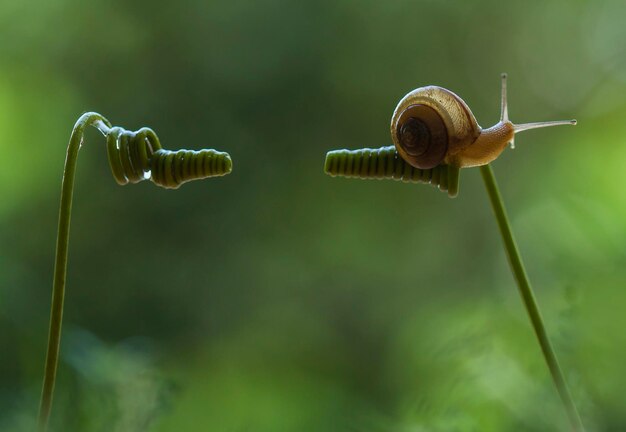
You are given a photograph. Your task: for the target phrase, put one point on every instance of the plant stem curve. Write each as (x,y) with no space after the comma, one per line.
(60,265)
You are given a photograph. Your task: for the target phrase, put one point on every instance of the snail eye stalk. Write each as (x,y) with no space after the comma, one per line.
(133,157)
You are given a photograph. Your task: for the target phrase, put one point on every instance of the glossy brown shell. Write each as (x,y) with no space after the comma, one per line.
(460,123)
(422,136)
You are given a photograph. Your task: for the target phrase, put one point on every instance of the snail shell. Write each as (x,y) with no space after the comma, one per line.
(432,124)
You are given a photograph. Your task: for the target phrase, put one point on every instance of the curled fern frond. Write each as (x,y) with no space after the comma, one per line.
(386,163)
(137,156)
(133,156)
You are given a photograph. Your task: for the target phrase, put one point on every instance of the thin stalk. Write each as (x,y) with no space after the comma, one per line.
(515,260)
(60,266)
(133,156)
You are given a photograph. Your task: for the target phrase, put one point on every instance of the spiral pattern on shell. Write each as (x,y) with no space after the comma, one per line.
(136,156)
(422,138)
(386,163)
(449,121)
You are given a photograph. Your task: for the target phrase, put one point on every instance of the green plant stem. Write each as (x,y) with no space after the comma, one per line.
(60,267)
(515,260)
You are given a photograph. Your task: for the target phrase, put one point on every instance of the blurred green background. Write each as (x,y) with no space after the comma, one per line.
(280,299)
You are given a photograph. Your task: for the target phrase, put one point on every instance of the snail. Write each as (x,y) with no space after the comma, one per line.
(434,134)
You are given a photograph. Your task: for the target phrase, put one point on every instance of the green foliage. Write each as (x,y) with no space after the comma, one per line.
(267,299)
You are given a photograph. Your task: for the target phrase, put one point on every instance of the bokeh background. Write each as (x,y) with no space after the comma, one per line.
(278,298)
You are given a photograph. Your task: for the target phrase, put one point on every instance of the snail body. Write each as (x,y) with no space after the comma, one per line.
(433,127)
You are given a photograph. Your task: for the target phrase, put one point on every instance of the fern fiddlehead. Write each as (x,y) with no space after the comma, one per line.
(386,163)
(137,156)
(435,134)
(133,157)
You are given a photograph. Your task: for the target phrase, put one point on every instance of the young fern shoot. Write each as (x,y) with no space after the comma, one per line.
(133,157)
(435,134)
